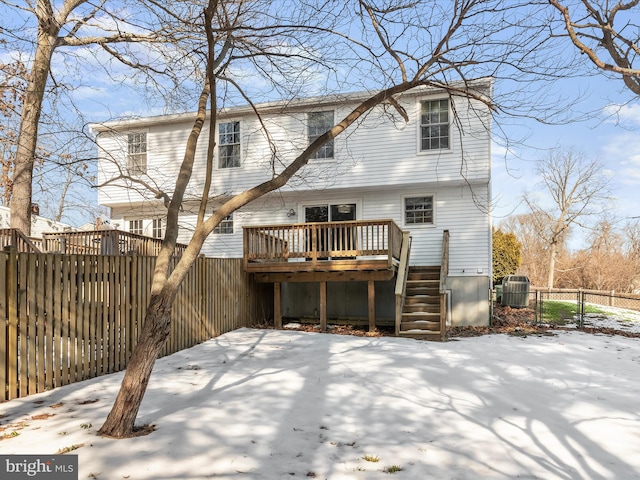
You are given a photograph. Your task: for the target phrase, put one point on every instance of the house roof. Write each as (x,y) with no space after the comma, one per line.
(264,108)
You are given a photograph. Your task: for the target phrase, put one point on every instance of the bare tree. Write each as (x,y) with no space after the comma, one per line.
(577,188)
(608,33)
(401,45)
(605,265)
(40,29)
(527,228)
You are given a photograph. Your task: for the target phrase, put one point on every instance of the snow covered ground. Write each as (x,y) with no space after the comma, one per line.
(267,404)
(614,318)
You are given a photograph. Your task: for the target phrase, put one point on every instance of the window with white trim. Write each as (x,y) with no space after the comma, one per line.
(137,153)
(418,210)
(319,123)
(156,228)
(135,226)
(225,226)
(229,145)
(434,125)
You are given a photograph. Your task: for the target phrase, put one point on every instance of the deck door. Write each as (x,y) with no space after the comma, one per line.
(337,238)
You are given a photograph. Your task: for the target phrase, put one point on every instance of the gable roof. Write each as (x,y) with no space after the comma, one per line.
(280,106)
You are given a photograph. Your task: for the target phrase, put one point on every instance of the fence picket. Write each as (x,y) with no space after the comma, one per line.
(4,324)
(72,317)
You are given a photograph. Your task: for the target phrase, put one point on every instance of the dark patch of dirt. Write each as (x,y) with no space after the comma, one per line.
(142,430)
(512,321)
(335,329)
(42,416)
(507,320)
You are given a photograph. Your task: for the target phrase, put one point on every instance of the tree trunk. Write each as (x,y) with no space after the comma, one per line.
(28,136)
(552,265)
(120,422)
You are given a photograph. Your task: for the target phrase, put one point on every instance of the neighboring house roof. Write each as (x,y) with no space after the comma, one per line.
(39,225)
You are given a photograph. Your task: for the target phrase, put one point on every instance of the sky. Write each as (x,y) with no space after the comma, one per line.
(271,404)
(612,139)
(610,135)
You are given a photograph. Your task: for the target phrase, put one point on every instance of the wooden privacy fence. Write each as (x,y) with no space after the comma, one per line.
(67,318)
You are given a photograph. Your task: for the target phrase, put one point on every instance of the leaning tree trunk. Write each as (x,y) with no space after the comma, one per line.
(120,422)
(28,135)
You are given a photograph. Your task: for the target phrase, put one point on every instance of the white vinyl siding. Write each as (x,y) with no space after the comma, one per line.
(456,210)
(378,153)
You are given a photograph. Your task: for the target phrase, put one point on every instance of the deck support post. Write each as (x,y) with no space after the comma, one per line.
(323,306)
(372,306)
(277,308)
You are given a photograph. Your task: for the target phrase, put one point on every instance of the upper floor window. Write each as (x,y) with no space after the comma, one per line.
(418,210)
(137,153)
(229,145)
(156,228)
(135,226)
(225,226)
(434,125)
(319,123)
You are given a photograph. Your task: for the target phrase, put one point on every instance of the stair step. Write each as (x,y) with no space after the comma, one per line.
(421,313)
(423,335)
(418,328)
(413,316)
(413,291)
(430,268)
(426,276)
(421,307)
(429,300)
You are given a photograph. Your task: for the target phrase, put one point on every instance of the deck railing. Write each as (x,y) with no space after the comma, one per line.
(10,237)
(363,239)
(103,242)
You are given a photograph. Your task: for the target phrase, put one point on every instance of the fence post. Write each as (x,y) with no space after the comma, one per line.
(612,298)
(4,359)
(581,300)
(11,364)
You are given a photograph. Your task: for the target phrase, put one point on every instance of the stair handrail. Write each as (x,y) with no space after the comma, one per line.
(14,237)
(444,273)
(444,263)
(401,281)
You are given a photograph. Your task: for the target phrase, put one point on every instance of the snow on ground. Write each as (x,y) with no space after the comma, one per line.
(267,404)
(614,318)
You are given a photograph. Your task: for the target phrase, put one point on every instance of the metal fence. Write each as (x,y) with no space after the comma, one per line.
(587,308)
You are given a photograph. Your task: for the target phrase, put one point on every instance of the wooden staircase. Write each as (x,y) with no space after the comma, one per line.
(422,315)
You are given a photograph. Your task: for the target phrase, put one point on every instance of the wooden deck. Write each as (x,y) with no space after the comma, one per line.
(365,250)
(95,242)
(368,251)
(322,250)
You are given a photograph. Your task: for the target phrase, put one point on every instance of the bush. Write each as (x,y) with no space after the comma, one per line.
(507,255)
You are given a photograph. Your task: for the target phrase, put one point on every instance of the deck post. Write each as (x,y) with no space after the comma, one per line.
(372,306)
(277,309)
(323,306)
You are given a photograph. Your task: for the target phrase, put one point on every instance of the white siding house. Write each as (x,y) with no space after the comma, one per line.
(39,225)
(428,175)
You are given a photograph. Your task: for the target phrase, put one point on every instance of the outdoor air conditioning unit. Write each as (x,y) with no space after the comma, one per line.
(515,291)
